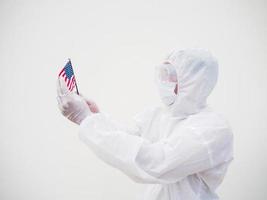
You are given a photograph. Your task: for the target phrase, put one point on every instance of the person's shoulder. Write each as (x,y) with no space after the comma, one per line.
(208,119)
(211,128)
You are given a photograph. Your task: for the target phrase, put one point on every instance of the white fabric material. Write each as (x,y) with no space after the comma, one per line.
(166,92)
(182,151)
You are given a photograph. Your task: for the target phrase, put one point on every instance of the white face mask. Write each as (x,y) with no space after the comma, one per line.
(166,92)
(166,80)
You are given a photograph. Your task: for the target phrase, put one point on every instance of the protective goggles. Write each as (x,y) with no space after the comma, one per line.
(166,73)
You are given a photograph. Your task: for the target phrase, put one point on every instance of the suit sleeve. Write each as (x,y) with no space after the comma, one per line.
(166,161)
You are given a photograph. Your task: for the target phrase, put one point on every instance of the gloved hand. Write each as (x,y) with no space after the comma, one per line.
(71,105)
(92,105)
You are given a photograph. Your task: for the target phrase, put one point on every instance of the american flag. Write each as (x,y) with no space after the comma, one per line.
(68,75)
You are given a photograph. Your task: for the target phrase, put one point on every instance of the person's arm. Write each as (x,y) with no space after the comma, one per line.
(166,161)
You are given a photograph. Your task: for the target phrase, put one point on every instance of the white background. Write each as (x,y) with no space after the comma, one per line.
(114,46)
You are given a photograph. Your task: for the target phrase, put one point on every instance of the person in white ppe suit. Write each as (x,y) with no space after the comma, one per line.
(181,149)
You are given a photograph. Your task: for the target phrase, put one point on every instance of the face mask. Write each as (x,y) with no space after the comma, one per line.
(166,80)
(166,92)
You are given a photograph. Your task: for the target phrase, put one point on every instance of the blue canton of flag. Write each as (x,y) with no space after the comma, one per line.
(67,74)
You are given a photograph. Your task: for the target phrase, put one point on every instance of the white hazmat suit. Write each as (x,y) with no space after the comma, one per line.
(181,150)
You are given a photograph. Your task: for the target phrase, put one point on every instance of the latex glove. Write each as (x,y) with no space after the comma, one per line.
(92,105)
(71,105)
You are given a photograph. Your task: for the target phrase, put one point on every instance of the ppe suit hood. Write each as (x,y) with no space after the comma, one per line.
(197,72)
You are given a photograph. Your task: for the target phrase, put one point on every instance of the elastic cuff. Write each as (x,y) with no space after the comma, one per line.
(89,118)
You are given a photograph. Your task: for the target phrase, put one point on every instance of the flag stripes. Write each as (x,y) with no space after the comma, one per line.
(67,74)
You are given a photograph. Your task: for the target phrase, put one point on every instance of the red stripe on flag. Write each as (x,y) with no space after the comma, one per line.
(63,75)
(71,88)
(73,83)
(70,82)
(61,71)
